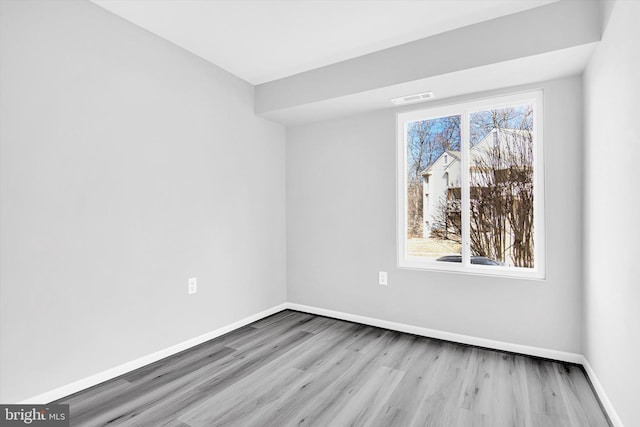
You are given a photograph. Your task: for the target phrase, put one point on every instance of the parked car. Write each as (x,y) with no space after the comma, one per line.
(480,260)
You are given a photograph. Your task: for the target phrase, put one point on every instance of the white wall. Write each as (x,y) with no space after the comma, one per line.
(128,165)
(341,215)
(612,204)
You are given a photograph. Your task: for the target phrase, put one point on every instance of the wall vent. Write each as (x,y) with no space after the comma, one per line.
(411,99)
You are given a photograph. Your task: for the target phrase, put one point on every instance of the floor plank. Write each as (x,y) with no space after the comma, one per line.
(294,368)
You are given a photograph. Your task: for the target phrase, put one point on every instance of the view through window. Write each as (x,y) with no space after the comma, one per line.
(470,178)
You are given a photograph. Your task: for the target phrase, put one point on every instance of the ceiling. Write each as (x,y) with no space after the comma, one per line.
(265,40)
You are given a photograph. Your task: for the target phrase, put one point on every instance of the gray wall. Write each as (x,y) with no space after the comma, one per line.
(341,216)
(612,203)
(128,165)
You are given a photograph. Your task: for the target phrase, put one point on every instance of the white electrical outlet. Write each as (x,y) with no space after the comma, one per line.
(382,278)
(193,285)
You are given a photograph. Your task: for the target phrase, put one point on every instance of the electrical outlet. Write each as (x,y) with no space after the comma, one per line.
(382,278)
(193,285)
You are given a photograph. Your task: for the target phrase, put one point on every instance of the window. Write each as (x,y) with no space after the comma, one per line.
(471,188)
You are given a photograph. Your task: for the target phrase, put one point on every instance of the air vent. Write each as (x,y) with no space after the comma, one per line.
(411,99)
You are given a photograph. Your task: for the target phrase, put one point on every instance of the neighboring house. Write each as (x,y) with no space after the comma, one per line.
(496,155)
(443,174)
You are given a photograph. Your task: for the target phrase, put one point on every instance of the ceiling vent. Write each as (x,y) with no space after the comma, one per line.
(412,99)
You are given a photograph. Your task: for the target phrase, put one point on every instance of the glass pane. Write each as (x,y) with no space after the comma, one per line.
(501,187)
(433,189)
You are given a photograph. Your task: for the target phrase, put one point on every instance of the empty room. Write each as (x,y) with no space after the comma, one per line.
(319,212)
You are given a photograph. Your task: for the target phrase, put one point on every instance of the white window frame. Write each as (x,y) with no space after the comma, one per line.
(535,98)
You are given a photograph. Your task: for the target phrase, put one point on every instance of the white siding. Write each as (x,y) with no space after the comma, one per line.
(437,187)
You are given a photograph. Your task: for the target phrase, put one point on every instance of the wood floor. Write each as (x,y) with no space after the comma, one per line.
(299,369)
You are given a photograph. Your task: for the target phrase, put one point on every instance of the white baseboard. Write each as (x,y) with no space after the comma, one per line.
(613,415)
(109,374)
(449,336)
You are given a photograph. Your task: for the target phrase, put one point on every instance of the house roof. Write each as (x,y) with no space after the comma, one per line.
(501,132)
(486,145)
(482,143)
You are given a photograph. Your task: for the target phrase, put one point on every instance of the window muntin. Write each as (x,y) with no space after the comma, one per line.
(487,217)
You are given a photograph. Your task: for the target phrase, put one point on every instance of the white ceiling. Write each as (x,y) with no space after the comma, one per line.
(265,40)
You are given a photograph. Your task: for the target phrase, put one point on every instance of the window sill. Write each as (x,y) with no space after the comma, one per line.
(474,270)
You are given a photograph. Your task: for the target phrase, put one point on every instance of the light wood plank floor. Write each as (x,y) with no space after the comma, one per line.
(298,369)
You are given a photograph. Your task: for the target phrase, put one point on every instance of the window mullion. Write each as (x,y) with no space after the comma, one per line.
(465,192)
